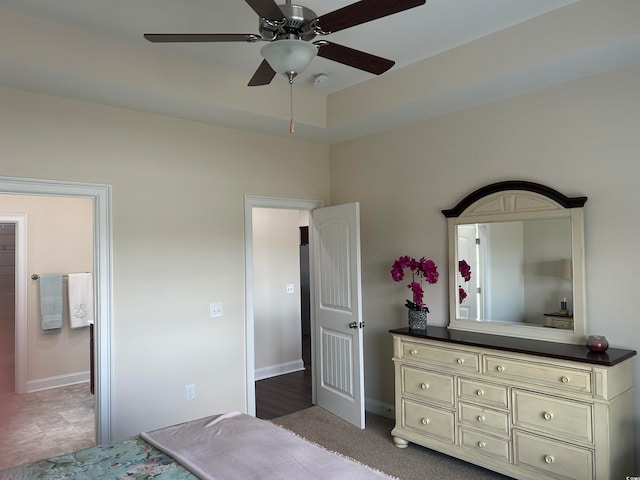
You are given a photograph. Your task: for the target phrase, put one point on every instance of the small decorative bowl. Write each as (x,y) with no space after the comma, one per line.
(597,343)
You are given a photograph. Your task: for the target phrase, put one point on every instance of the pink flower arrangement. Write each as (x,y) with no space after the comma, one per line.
(422,269)
(465,270)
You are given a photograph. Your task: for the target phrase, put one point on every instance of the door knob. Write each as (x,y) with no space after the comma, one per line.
(353,325)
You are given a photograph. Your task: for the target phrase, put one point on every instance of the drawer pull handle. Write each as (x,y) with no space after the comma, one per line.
(564,379)
(482,444)
(426,421)
(425,386)
(481,418)
(500,368)
(460,361)
(547,415)
(549,459)
(413,351)
(480,392)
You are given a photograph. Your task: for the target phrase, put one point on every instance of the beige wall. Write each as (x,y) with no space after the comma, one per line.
(276,262)
(178,235)
(580,138)
(178,238)
(59,240)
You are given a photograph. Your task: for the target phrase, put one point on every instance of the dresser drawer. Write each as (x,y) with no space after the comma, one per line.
(428,386)
(431,421)
(483,393)
(555,416)
(551,458)
(561,378)
(451,358)
(484,419)
(485,444)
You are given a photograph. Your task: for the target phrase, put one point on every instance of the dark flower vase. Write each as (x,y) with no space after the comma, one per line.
(417,320)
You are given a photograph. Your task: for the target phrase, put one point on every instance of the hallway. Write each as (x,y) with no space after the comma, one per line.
(284,394)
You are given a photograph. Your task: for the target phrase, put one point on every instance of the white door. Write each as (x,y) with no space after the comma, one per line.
(337,310)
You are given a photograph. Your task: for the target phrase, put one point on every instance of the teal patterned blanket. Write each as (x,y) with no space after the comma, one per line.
(131,459)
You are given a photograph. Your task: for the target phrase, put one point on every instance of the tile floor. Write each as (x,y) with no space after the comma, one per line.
(43,424)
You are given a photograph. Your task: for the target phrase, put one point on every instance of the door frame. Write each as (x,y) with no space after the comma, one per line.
(251,202)
(102,265)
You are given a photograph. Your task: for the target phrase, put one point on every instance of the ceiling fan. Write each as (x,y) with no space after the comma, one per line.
(290,29)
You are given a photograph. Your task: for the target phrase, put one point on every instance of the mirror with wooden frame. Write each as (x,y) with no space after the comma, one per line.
(516,263)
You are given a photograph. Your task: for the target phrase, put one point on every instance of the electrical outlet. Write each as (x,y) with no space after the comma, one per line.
(190,392)
(215,310)
(290,287)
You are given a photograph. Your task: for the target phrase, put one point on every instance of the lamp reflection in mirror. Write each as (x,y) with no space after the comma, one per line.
(565,274)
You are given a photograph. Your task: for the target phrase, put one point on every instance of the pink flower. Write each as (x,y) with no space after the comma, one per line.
(465,270)
(418,292)
(429,270)
(461,293)
(397,270)
(422,268)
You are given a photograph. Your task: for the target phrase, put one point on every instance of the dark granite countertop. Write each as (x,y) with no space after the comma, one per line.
(563,351)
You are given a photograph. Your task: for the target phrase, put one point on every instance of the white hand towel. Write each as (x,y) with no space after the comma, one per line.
(51,301)
(80,299)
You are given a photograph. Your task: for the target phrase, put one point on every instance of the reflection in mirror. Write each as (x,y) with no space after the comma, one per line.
(524,246)
(520,271)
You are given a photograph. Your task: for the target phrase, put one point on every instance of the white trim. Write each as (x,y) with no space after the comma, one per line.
(280,369)
(251,202)
(57,381)
(103,289)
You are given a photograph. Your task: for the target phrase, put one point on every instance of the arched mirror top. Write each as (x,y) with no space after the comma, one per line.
(513,196)
(516,262)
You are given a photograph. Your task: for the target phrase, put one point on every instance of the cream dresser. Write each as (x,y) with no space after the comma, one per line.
(528,409)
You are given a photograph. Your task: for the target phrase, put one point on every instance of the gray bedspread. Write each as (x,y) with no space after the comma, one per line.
(238,446)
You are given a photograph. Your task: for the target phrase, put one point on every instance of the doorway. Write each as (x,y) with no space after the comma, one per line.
(251,203)
(101,206)
(282,312)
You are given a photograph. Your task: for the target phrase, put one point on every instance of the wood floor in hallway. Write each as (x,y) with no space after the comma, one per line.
(285,394)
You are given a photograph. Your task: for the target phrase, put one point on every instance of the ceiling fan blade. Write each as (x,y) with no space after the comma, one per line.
(266,9)
(263,76)
(362,12)
(354,58)
(202,37)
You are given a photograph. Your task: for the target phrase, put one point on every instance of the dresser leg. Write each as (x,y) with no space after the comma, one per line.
(400,442)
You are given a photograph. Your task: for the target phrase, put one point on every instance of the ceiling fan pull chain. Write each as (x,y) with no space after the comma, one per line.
(292,124)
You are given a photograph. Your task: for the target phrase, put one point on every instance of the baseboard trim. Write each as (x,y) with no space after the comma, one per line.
(57,381)
(281,369)
(379,408)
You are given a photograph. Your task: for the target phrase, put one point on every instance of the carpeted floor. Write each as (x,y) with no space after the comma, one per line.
(374,446)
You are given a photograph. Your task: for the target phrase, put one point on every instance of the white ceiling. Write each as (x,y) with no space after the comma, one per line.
(406,37)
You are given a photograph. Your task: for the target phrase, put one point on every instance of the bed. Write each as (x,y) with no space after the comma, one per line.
(228,446)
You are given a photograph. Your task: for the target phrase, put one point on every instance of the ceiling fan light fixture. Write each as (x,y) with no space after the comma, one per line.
(289,57)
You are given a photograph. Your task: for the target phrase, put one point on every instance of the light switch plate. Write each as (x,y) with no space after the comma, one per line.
(190,392)
(215,310)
